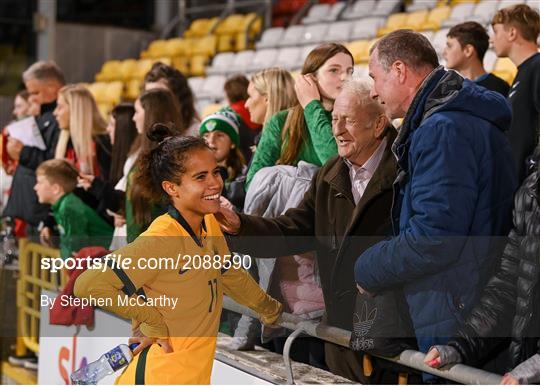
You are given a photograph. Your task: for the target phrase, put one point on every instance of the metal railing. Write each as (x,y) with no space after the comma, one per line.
(410,358)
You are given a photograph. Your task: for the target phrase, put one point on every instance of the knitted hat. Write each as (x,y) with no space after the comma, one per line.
(224,120)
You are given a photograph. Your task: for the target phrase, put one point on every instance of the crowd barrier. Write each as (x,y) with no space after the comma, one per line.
(33,280)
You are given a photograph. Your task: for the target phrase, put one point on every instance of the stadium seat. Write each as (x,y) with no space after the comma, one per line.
(335,12)
(212,88)
(201,27)
(105,109)
(195,83)
(242,61)
(197,65)
(109,71)
(534,4)
(428,34)
(221,63)
(292,36)
(361,71)
(367,28)
(263,58)
(288,57)
(418,5)
(127,69)
(505,69)
(439,40)
(339,31)
(316,14)
(415,20)
(435,18)
(394,22)
(459,14)
(507,3)
(156,49)
(181,63)
(176,47)
(133,89)
(304,53)
(210,109)
(484,11)
(270,38)
(489,60)
(360,9)
(314,33)
(204,46)
(386,7)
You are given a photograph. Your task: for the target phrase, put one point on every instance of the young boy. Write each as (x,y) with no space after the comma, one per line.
(79,225)
(515,34)
(466,45)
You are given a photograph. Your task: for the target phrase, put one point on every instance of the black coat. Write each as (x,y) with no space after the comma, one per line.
(23,201)
(509,306)
(328,221)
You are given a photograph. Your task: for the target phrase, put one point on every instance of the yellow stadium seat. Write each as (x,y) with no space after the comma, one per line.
(109,71)
(505,69)
(364,55)
(143,66)
(204,46)
(201,27)
(394,22)
(114,91)
(416,19)
(127,68)
(175,47)
(105,109)
(133,89)
(156,49)
(357,48)
(230,25)
(181,63)
(98,90)
(435,18)
(226,43)
(198,65)
(454,2)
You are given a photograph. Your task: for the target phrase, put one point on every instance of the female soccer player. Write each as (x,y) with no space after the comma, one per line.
(177,340)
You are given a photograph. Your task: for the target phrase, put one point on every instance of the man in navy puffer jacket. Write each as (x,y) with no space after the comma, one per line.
(454,190)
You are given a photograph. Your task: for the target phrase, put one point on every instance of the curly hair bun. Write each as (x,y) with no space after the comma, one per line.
(160,131)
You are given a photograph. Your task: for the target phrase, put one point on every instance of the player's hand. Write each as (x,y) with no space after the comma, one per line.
(14,148)
(85,180)
(433,358)
(45,236)
(306,89)
(227,217)
(145,341)
(508,379)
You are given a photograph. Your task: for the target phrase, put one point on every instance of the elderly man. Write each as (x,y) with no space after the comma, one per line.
(350,196)
(454,190)
(43,80)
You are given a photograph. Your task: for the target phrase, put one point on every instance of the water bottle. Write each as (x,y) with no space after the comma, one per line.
(107,364)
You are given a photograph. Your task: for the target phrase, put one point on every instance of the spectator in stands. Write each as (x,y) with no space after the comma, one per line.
(304,133)
(83,138)
(81,225)
(269,91)
(153,106)
(346,208)
(514,290)
(454,168)
(43,80)
(221,132)
(236,93)
(111,193)
(516,30)
(167,77)
(466,45)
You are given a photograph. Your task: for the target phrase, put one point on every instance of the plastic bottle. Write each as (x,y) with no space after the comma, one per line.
(107,364)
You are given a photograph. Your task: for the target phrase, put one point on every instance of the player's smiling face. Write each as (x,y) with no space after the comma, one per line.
(200,185)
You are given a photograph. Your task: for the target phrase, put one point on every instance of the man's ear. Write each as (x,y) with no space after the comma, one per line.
(401,70)
(170,188)
(512,33)
(380,126)
(469,50)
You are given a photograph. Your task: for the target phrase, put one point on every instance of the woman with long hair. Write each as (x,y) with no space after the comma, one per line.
(177,325)
(153,106)
(83,138)
(304,132)
(162,76)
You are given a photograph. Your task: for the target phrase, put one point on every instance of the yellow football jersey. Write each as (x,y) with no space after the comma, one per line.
(192,323)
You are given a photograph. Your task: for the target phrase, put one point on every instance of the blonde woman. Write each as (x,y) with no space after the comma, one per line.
(83,138)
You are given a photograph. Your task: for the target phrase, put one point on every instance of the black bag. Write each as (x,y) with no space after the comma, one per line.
(382,325)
